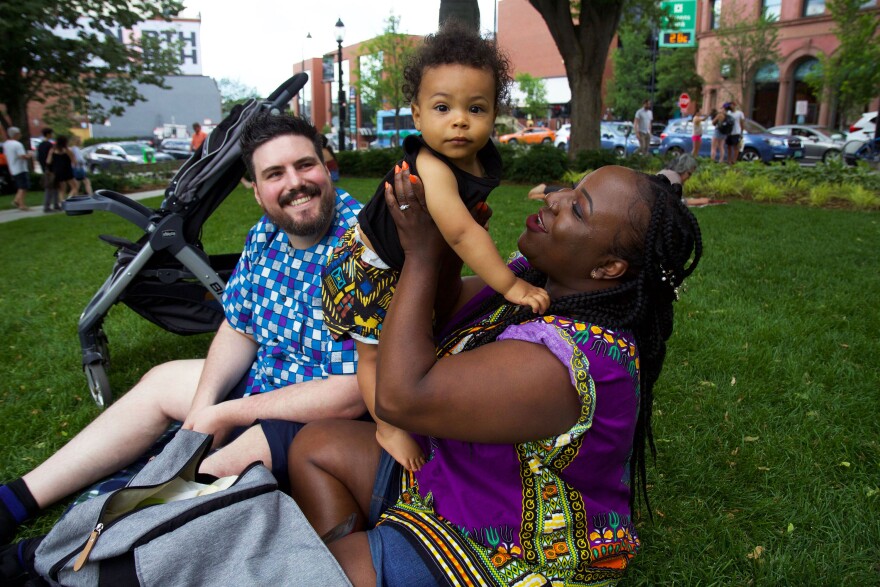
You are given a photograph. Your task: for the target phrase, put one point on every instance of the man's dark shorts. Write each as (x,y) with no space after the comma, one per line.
(732,140)
(22,180)
(279,434)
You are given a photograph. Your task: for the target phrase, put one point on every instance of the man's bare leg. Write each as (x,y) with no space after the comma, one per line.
(249,447)
(120,434)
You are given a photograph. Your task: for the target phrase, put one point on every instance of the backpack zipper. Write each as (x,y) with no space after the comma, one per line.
(90,544)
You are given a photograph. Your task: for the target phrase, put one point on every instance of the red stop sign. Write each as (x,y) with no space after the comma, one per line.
(683,101)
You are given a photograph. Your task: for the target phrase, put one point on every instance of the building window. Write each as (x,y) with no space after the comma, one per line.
(772,9)
(814,7)
(714,14)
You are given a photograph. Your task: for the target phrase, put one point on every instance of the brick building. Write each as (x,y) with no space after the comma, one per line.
(776,88)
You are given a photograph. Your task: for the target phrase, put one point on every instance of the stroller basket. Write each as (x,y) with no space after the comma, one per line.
(166,277)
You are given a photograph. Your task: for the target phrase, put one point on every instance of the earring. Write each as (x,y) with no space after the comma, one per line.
(594,274)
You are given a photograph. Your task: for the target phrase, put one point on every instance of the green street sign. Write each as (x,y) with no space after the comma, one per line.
(680,30)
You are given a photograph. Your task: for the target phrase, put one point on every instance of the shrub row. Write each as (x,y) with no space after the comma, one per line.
(832,183)
(826,184)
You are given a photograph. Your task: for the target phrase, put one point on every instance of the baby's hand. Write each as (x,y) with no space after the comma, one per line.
(525,294)
(537,192)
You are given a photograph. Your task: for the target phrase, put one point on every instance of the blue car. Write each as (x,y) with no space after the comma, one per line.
(758,143)
(618,137)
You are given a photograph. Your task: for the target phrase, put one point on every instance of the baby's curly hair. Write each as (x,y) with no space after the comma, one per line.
(456,44)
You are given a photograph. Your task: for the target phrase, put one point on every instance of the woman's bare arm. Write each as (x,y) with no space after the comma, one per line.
(507,391)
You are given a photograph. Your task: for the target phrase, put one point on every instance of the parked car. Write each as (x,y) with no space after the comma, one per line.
(757,143)
(115,156)
(613,137)
(863,129)
(820,143)
(618,137)
(177,148)
(531,135)
(563,137)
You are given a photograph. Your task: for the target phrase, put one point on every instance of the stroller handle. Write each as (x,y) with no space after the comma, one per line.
(287,90)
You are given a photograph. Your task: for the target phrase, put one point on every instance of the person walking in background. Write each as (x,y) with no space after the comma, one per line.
(642,126)
(50,194)
(60,162)
(330,159)
(697,136)
(198,137)
(80,176)
(735,135)
(17,161)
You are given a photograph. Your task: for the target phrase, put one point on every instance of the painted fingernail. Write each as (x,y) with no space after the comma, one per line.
(387,186)
(397,169)
(413,179)
(404,165)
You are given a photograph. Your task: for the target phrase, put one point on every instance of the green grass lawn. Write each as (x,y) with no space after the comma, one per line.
(767,415)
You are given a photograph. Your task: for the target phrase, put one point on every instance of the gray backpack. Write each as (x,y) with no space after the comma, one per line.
(246,534)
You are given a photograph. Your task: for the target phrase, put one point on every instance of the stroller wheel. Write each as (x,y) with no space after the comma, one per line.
(99,385)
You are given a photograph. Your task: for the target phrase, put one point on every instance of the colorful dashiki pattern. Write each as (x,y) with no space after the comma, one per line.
(551,512)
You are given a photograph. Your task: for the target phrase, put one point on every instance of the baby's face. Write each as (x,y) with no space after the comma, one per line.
(455,110)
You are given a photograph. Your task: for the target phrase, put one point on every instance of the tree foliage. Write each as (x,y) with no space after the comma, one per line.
(535,95)
(632,70)
(743,46)
(379,79)
(850,75)
(583,31)
(234,92)
(70,49)
(676,73)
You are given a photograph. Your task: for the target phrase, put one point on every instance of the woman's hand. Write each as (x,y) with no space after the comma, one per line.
(419,236)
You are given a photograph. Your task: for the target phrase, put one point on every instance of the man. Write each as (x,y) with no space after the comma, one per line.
(198,137)
(733,139)
(642,127)
(50,190)
(273,339)
(680,169)
(17,161)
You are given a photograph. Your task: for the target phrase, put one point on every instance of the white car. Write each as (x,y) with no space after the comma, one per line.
(863,129)
(562,137)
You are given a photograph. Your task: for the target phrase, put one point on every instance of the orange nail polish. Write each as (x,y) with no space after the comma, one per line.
(404,165)
(413,179)
(397,169)
(387,186)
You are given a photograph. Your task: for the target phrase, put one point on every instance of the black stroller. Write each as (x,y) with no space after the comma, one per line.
(166,276)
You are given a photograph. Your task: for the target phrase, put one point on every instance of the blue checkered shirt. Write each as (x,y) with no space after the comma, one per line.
(274,296)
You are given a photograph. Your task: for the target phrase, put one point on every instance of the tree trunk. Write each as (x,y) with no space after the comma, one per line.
(16,110)
(466,11)
(584,49)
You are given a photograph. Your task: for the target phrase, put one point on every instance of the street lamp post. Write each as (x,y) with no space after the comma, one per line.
(340,35)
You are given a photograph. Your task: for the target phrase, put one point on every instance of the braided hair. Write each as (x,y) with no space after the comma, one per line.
(661,254)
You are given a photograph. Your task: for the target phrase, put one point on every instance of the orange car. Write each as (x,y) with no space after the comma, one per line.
(532,135)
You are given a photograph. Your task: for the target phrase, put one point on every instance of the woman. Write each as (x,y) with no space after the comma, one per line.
(532,433)
(60,161)
(718,137)
(330,159)
(80,175)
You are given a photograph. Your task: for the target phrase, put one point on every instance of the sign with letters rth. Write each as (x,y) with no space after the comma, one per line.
(679,28)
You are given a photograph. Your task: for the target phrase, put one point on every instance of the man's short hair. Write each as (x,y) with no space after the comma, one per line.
(47,131)
(684,163)
(12,131)
(265,126)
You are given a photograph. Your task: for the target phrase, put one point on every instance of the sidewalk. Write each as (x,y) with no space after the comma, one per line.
(11,214)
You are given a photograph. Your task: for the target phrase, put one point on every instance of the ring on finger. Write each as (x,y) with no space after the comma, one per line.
(404,206)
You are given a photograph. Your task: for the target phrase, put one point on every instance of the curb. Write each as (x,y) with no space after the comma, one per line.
(37,211)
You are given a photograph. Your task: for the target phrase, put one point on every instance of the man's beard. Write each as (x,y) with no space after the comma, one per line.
(316,226)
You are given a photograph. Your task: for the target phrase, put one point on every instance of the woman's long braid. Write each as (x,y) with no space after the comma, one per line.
(660,256)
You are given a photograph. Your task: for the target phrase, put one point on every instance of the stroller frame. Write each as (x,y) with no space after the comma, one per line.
(169,251)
